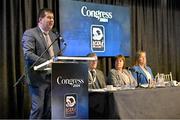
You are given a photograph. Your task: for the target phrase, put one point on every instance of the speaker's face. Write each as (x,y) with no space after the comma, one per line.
(47,22)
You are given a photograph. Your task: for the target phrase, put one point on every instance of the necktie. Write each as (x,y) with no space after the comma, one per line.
(48,42)
(96,83)
(93,74)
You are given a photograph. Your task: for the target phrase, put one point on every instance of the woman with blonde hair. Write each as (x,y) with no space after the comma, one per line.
(141,72)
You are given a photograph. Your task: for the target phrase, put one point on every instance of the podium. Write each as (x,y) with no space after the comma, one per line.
(69,87)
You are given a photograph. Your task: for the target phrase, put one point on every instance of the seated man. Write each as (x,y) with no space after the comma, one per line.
(96,77)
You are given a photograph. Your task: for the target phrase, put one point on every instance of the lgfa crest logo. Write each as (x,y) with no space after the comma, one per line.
(97,38)
(70,105)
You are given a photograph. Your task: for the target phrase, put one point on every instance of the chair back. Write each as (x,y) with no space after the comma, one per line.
(162,78)
(168,77)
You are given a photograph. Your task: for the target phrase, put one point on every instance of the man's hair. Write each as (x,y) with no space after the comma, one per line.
(42,12)
(91,55)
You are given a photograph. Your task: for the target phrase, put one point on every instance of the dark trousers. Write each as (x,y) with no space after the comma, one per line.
(41,101)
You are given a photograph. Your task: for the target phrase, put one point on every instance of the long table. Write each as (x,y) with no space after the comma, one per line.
(156,103)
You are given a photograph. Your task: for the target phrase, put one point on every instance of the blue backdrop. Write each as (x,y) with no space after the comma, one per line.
(89,27)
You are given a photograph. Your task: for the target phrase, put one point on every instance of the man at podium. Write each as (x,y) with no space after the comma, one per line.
(39,45)
(96,79)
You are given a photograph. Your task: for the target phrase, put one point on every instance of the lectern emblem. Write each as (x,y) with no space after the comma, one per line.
(70,105)
(70,101)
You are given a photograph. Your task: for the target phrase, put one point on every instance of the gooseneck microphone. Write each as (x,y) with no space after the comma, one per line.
(61,42)
(131,69)
(60,37)
(37,60)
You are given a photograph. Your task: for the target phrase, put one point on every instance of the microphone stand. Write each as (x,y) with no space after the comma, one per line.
(23,75)
(137,74)
(61,51)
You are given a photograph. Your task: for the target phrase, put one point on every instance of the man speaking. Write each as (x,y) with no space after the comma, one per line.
(39,45)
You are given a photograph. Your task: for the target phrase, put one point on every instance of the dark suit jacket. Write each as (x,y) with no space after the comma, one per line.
(34,45)
(100,78)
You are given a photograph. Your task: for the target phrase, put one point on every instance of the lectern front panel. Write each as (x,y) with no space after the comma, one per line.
(69,91)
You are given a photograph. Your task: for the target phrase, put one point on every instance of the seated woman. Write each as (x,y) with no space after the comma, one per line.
(120,76)
(141,72)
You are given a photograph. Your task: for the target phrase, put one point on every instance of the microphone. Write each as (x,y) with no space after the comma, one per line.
(61,41)
(133,70)
(59,36)
(136,73)
(37,60)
